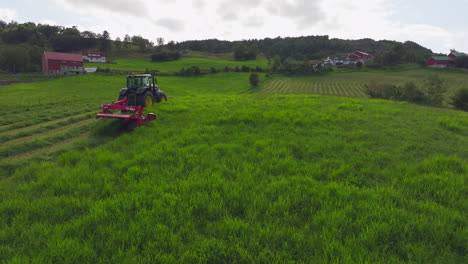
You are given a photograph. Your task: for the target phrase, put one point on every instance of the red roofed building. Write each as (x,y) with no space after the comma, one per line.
(62,63)
(94,56)
(440,62)
(454,54)
(360,56)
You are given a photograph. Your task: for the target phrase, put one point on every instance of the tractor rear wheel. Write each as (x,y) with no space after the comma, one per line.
(161,97)
(145,99)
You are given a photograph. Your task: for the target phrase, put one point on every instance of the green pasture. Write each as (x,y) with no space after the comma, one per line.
(173,66)
(351,84)
(26,77)
(28,129)
(229,173)
(252,179)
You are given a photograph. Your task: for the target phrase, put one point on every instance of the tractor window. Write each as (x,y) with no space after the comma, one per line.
(136,82)
(146,81)
(133,82)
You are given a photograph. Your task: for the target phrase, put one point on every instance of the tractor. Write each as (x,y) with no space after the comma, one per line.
(141,91)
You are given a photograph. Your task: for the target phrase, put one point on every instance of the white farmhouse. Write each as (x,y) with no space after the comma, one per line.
(336,61)
(94,56)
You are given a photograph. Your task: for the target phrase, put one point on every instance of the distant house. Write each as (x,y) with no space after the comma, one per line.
(61,63)
(336,61)
(94,56)
(454,54)
(440,62)
(360,56)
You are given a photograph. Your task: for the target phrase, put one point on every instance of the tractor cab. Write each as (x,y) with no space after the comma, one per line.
(141,90)
(140,81)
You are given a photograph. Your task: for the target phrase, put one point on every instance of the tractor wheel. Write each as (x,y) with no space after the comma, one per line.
(145,100)
(162,97)
(121,97)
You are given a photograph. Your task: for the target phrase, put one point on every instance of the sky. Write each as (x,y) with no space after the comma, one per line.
(435,24)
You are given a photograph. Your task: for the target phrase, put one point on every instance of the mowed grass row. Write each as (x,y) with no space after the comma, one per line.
(15,150)
(13,134)
(351,84)
(174,66)
(288,85)
(252,179)
(44,117)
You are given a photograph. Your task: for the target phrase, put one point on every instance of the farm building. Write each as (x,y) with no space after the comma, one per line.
(61,63)
(454,54)
(336,61)
(440,62)
(360,56)
(94,56)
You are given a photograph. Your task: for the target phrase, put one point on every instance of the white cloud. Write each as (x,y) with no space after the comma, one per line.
(134,7)
(199,4)
(7,14)
(305,12)
(244,19)
(48,22)
(253,21)
(171,24)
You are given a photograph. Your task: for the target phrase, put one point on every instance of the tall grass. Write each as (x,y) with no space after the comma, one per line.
(38,112)
(251,179)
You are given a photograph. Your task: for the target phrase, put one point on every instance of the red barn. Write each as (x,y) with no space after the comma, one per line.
(454,54)
(440,62)
(360,56)
(62,63)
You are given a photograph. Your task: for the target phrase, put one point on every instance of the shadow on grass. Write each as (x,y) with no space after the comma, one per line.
(106,130)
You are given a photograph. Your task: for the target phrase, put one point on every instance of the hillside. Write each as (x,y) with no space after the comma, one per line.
(22,46)
(229,175)
(310,47)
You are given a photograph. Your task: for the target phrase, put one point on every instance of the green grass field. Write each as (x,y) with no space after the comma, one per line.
(351,84)
(27,129)
(173,66)
(230,173)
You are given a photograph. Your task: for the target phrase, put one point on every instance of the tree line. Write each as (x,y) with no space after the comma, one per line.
(22,44)
(313,47)
(32,39)
(431,92)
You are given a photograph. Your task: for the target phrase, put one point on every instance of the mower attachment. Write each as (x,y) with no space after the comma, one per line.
(135,113)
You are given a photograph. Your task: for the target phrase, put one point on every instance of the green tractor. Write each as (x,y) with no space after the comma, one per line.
(142,90)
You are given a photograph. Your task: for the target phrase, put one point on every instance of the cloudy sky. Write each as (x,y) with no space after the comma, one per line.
(435,24)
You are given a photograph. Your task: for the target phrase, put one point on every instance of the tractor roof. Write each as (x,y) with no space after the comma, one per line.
(140,75)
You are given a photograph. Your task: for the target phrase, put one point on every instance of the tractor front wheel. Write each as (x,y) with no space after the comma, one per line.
(145,100)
